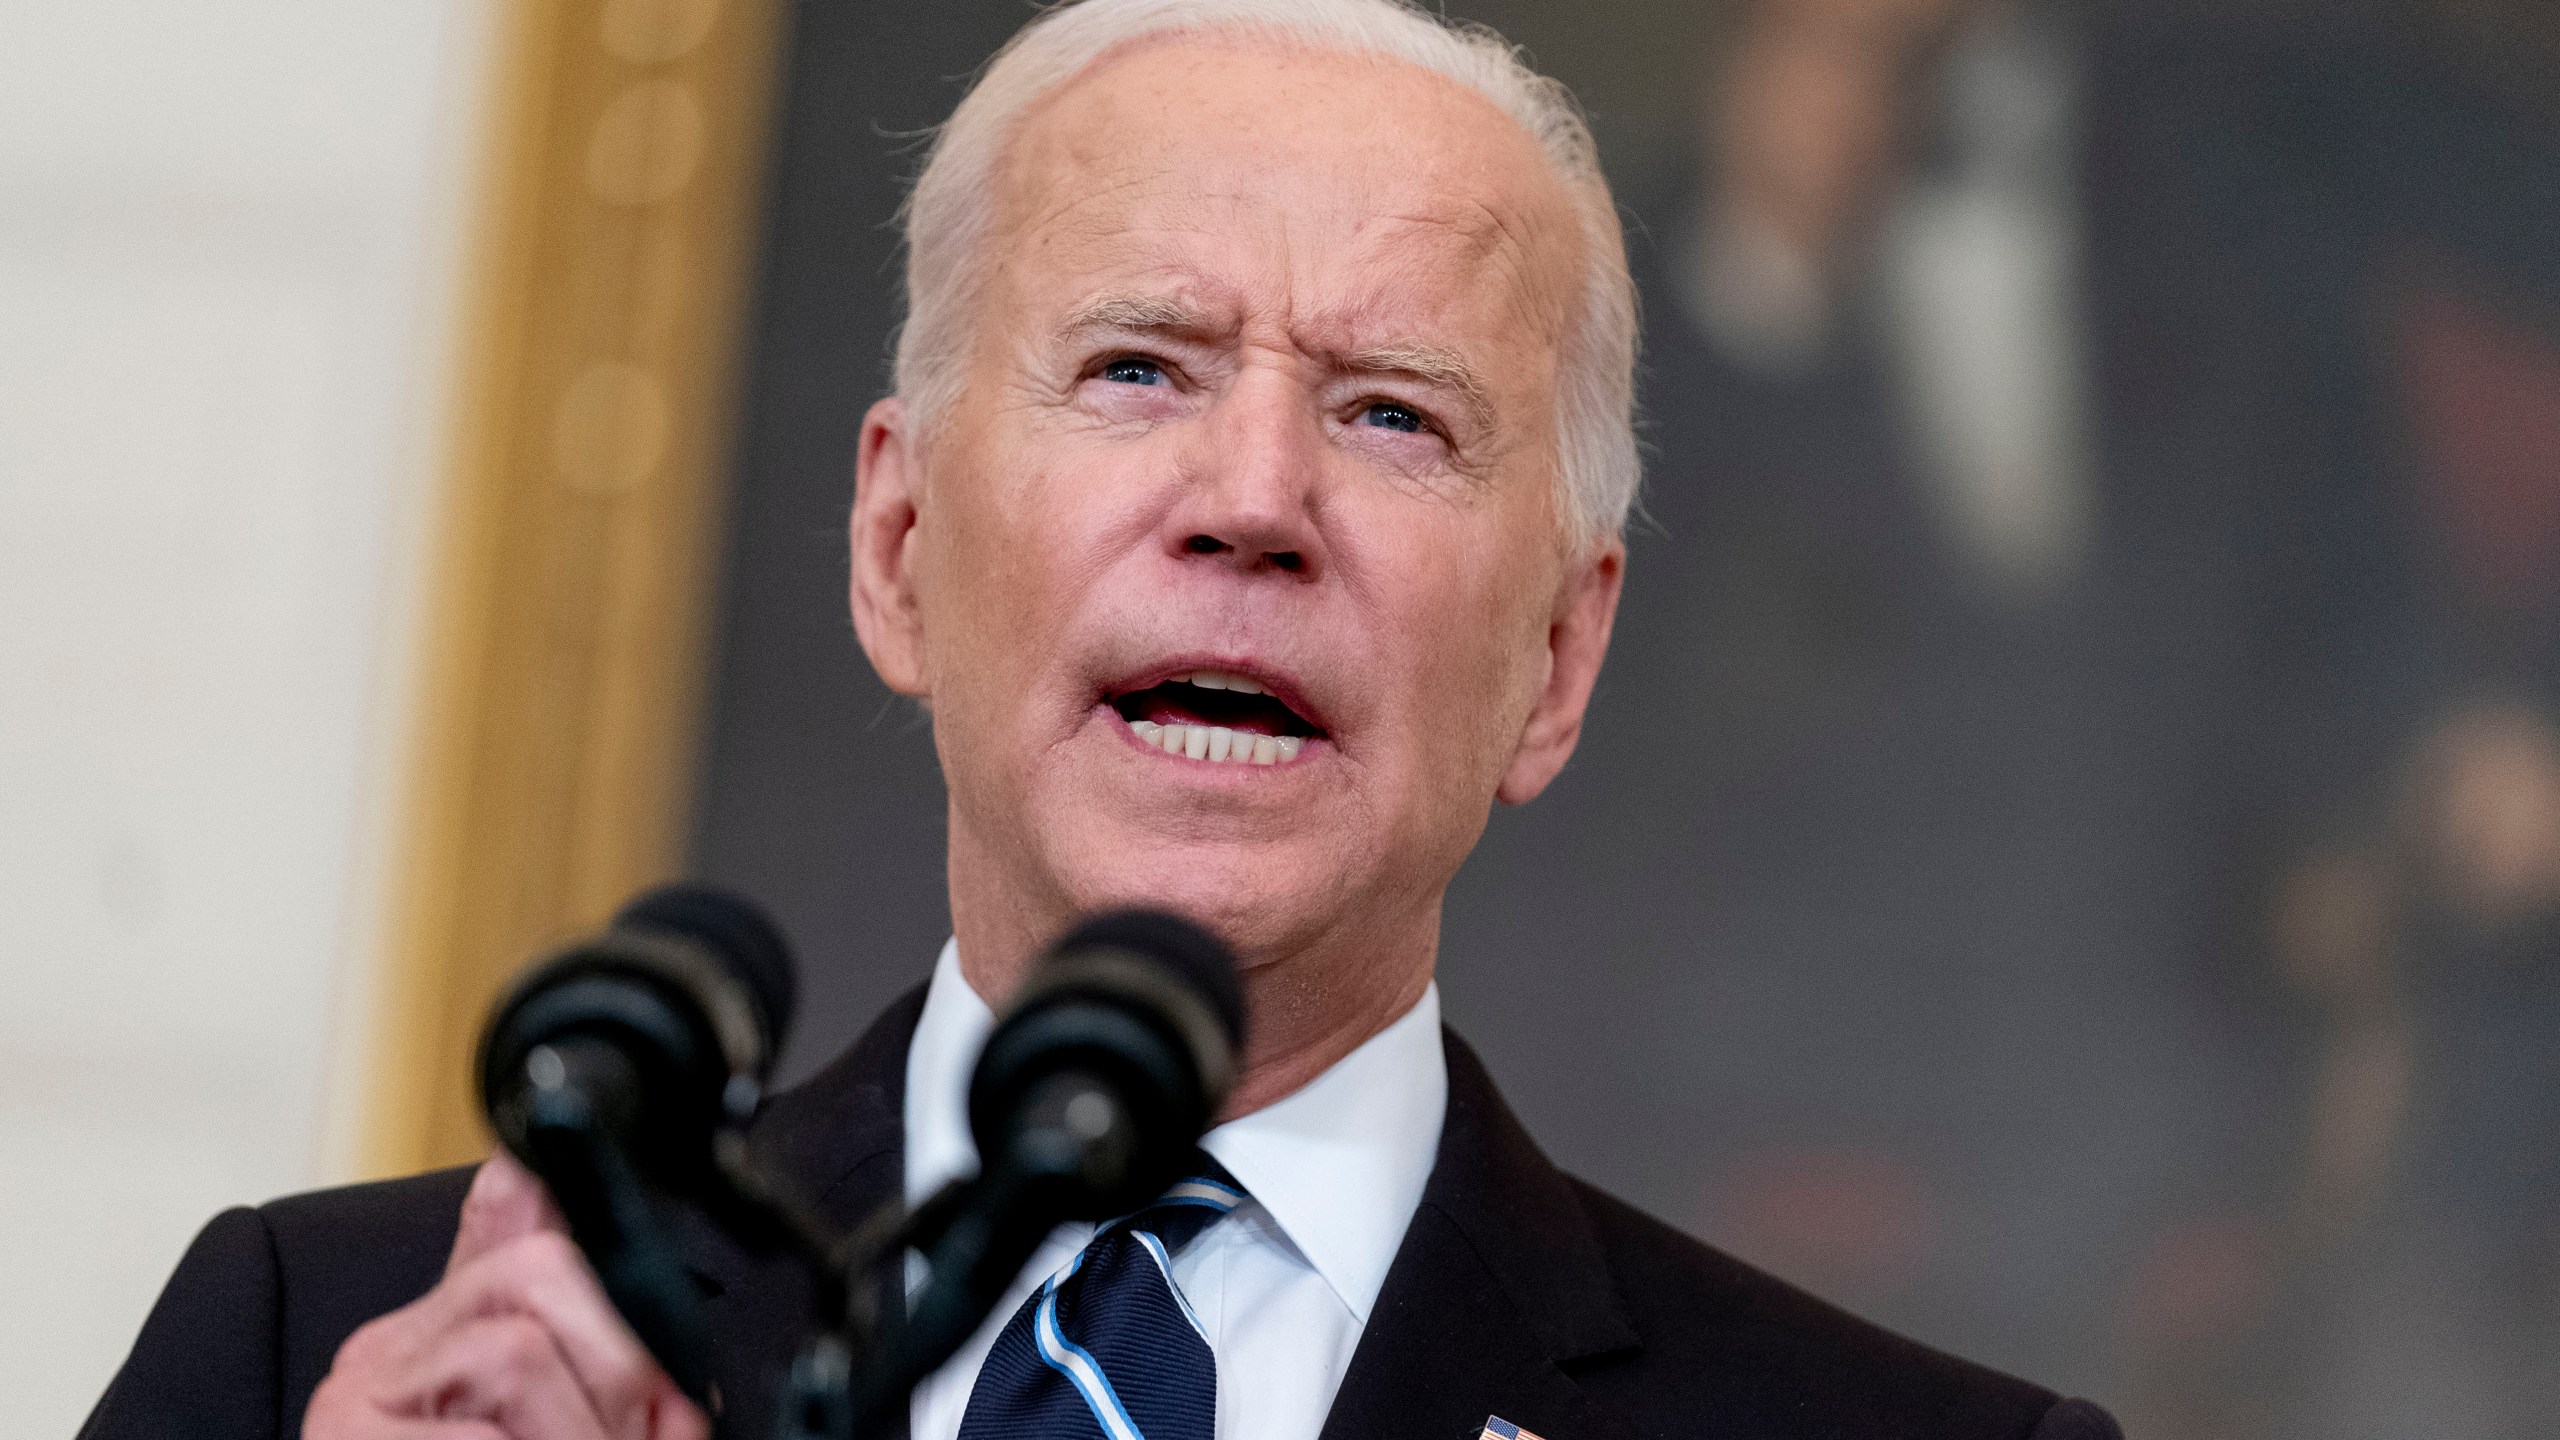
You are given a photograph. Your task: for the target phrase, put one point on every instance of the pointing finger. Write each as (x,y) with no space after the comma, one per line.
(506,1203)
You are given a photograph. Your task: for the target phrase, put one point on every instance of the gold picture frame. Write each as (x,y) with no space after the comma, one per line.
(573,578)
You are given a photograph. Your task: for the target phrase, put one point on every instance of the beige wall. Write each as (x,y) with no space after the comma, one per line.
(230,238)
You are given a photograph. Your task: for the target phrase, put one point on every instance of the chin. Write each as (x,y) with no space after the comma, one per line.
(1247,893)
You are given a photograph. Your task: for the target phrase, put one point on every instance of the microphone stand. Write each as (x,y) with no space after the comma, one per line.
(975,1235)
(614,1213)
(864,1358)
(609,1065)
(1076,1143)
(615,1221)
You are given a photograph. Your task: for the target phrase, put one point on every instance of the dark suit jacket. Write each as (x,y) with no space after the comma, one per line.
(1519,1292)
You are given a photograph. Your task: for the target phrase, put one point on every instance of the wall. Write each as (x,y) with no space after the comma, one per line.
(229,242)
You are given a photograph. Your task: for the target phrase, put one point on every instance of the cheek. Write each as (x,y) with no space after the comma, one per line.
(1475,644)
(983,589)
(998,524)
(1021,536)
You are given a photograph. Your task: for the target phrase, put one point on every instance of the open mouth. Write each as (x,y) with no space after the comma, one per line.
(1217,716)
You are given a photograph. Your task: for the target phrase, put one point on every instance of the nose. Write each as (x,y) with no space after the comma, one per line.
(1256,483)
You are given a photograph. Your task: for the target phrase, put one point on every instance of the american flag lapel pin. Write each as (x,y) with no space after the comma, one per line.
(1497,1428)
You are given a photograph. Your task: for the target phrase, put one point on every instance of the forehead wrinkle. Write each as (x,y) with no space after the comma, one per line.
(1478,222)
(1489,236)
(1080,215)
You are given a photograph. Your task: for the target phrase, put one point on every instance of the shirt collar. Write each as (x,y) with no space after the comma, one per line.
(1339,1164)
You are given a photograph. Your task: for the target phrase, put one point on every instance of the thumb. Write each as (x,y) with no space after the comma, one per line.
(506,1202)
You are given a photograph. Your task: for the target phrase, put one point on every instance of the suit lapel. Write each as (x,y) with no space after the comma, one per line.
(1498,1288)
(839,1139)
(841,1135)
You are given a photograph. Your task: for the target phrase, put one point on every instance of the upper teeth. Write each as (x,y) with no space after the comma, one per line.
(1218,744)
(1220,680)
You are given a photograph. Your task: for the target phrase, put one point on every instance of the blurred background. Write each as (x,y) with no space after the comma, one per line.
(2065,858)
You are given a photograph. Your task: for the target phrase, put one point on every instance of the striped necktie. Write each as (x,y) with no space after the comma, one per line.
(1107,1349)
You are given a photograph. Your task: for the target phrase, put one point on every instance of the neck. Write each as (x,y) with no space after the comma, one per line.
(1308,1003)
(1311,1008)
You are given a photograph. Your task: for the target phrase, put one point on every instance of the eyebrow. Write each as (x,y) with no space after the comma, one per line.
(1144,313)
(1434,365)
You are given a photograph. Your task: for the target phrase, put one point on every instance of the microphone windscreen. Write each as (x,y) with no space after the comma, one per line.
(1202,961)
(737,933)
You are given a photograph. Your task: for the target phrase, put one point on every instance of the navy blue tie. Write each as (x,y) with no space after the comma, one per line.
(1108,1349)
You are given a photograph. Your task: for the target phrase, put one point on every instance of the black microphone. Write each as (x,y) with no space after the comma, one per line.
(1088,1101)
(1111,1061)
(612,1069)
(664,1027)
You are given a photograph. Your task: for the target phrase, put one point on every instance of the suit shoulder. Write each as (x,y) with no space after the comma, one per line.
(205,1362)
(256,1310)
(394,1223)
(346,1255)
(1742,1344)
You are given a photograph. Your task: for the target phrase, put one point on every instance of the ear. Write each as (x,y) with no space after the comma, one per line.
(885,491)
(1577,639)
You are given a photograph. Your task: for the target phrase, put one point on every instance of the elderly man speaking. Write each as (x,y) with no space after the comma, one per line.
(1247,517)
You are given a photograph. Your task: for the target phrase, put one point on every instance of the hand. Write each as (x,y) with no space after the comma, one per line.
(517,1341)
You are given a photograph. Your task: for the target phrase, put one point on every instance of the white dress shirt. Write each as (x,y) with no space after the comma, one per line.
(1283,1284)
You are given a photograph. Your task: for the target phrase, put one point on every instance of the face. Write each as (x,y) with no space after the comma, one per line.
(1235,577)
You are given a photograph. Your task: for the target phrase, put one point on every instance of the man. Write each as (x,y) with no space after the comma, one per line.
(1247,517)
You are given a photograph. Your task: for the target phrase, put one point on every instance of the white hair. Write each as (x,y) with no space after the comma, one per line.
(948,212)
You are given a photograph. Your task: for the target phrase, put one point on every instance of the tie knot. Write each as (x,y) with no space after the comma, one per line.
(1107,1348)
(1188,1207)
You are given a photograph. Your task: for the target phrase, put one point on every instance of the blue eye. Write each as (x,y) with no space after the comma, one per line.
(1134,372)
(1388,415)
